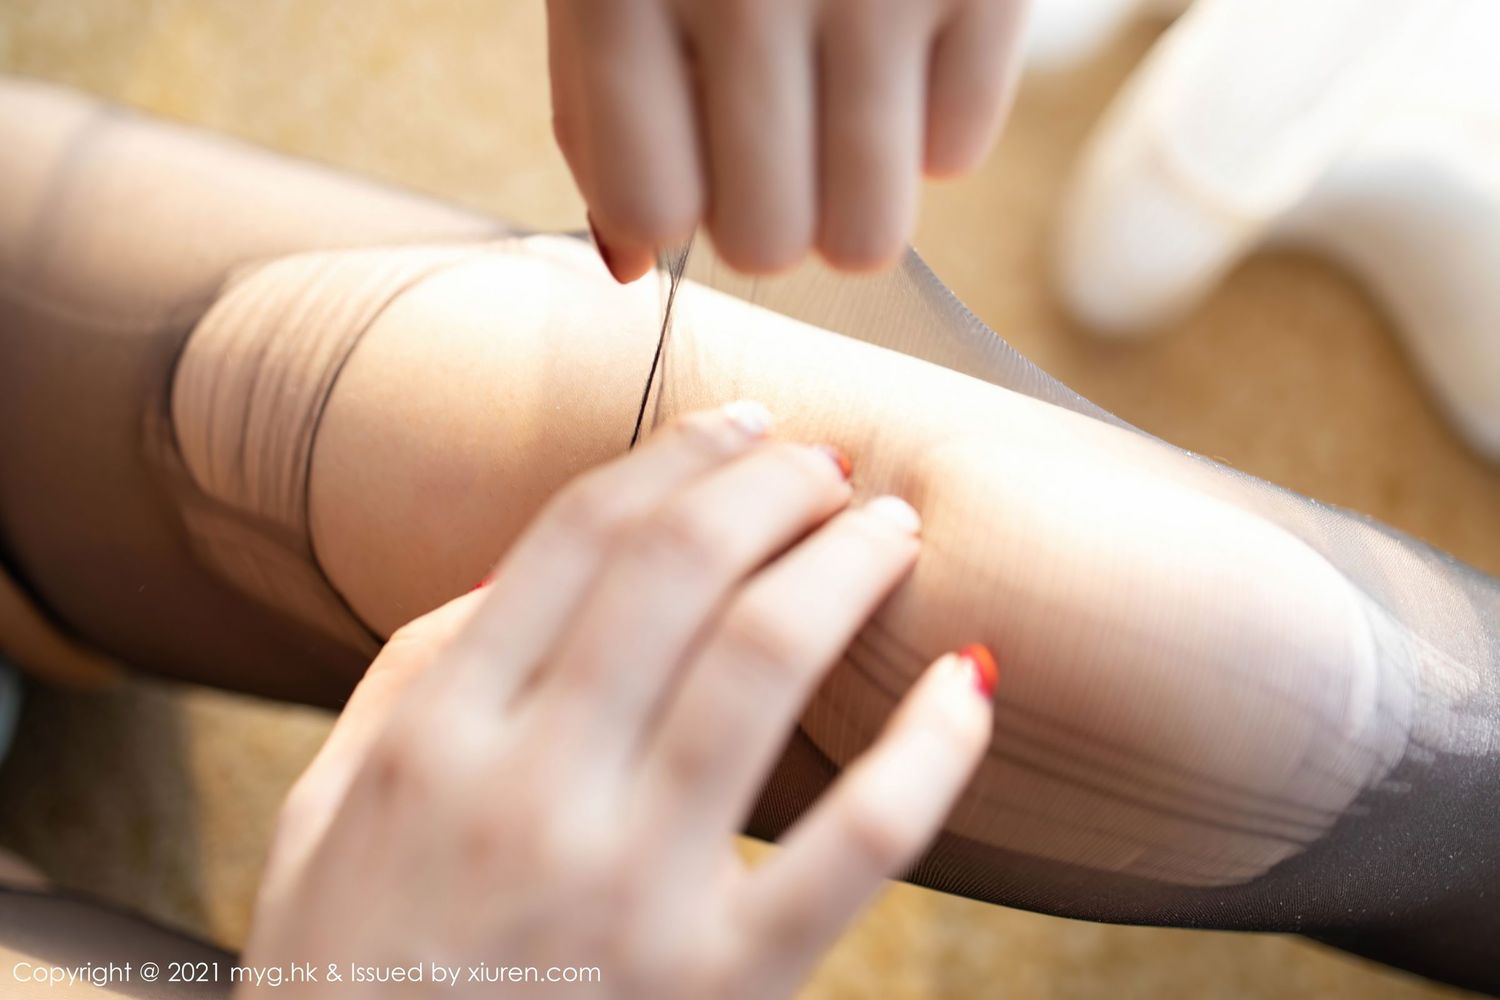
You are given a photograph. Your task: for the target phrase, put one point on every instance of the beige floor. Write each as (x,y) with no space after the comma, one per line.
(162,798)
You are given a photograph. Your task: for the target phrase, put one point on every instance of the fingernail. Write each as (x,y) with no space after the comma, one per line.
(603,248)
(898,512)
(749,416)
(980,663)
(838,458)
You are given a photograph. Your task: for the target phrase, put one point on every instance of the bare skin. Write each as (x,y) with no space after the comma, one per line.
(553,769)
(1177,666)
(782,127)
(1080,552)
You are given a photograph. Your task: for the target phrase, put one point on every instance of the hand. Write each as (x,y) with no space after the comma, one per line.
(783,124)
(549,771)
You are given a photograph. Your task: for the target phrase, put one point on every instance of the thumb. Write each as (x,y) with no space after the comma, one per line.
(407,657)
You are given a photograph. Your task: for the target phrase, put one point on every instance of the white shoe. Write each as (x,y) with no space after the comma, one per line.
(1365,129)
(1062,34)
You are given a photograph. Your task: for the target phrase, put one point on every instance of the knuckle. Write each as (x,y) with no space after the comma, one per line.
(704,432)
(800,462)
(760,638)
(691,759)
(877,535)
(586,510)
(812,477)
(683,537)
(396,770)
(482,842)
(873,832)
(555,842)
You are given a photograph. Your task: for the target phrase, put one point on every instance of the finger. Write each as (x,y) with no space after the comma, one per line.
(562,68)
(636,108)
(625,258)
(405,660)
(879,815)
(975,62)
(719,737)
(760,138)
(541,581)
(873,108)
(669,576)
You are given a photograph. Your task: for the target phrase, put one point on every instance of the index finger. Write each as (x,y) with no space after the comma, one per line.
(634,102)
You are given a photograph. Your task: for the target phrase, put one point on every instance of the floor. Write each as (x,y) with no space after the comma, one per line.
(162,798)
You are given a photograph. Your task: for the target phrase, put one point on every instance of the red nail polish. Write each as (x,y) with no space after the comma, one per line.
(483,583)
(845,467)
(981,663)
(603,248)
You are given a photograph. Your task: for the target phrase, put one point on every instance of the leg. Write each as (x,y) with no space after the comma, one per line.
(56,945)
(115,234)
(1208,721)
(1205,720)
